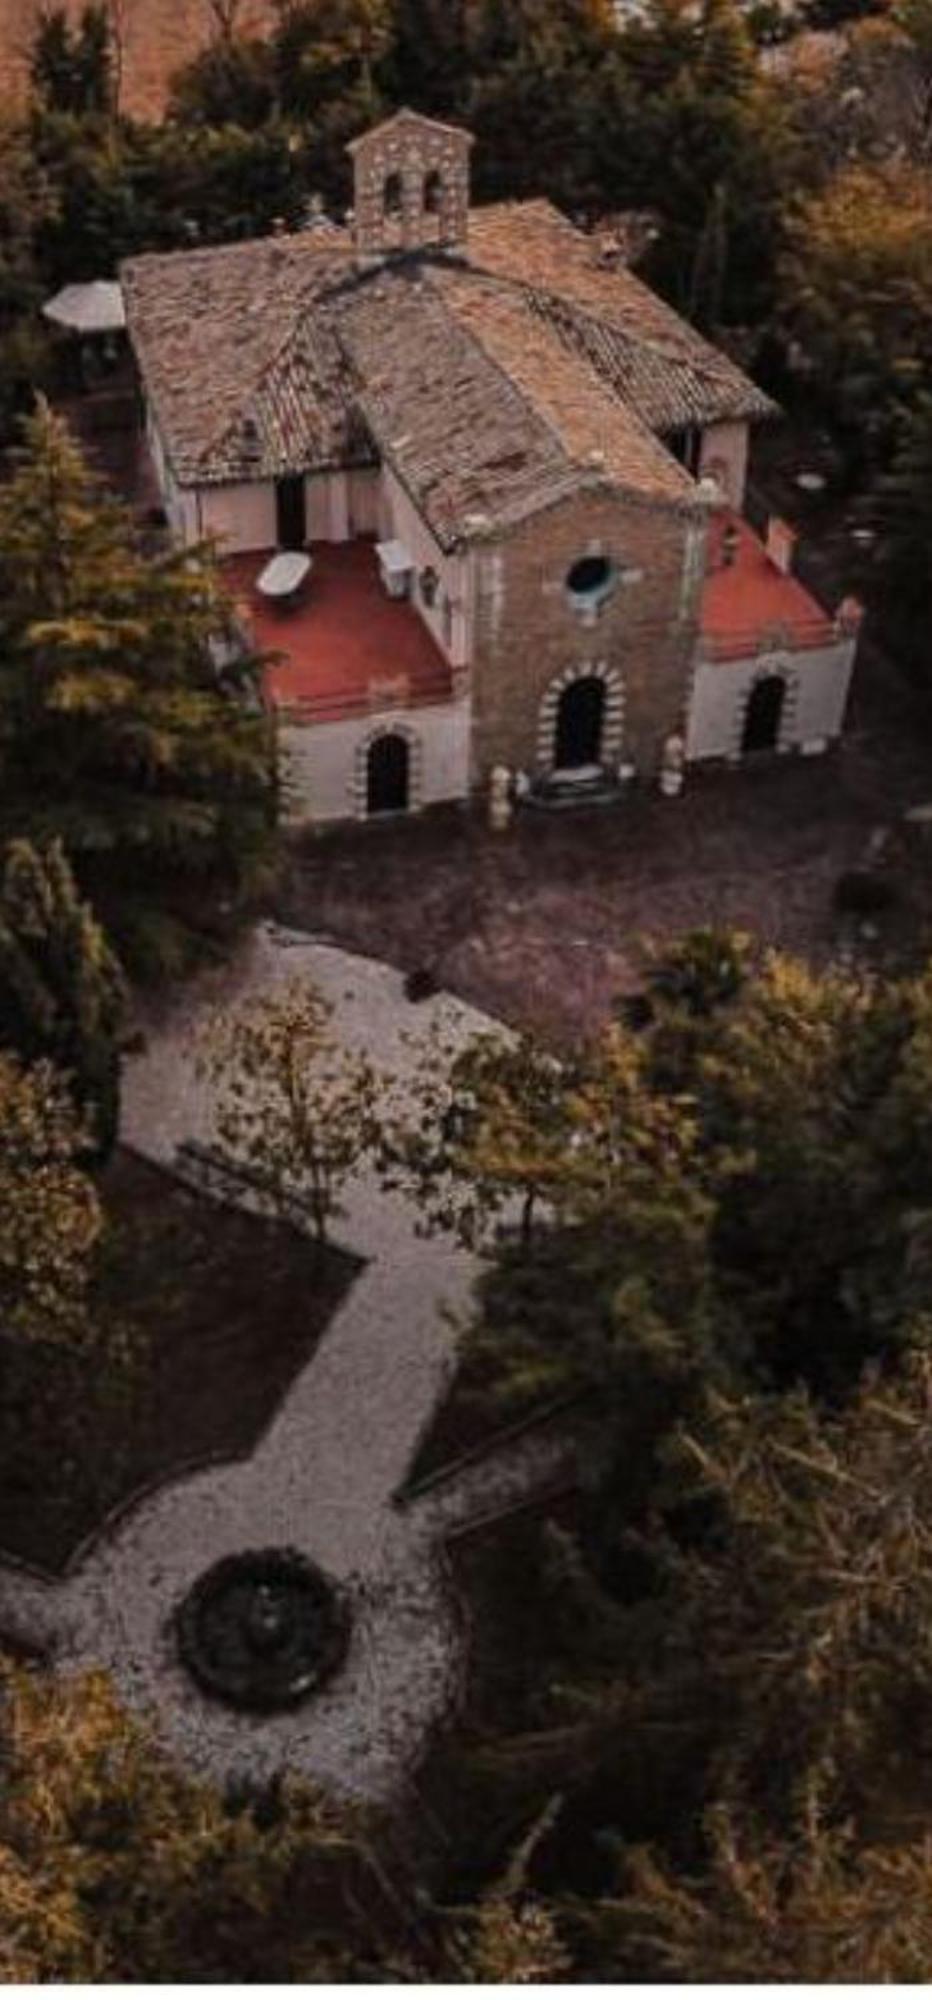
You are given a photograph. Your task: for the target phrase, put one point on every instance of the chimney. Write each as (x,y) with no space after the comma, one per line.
(781,541)
(850,616)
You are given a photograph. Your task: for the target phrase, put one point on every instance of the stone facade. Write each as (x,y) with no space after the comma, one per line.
(411,186)
(531,639)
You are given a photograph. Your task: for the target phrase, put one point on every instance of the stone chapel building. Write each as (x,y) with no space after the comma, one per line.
(520,476)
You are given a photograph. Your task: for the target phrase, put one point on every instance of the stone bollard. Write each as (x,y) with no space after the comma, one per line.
(672,766)
(500,805)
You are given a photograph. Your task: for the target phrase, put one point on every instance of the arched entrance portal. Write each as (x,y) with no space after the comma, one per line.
(388,775)
(764,714)
(580,716)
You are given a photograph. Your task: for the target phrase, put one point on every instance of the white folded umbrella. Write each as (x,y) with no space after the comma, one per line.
(94,308)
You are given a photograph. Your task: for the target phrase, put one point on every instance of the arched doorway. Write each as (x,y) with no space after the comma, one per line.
(388,775)
(764,714)
(580,715)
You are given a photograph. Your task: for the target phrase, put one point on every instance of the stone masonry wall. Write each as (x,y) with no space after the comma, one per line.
(529,636)
(412,149)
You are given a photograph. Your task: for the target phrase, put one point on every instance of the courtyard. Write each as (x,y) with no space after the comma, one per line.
(541,926)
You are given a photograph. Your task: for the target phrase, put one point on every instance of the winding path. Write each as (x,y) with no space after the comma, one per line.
(323,1475)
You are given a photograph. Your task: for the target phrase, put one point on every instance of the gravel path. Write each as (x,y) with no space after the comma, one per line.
(323,1476)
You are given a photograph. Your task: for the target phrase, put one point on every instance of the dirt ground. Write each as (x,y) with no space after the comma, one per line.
(541,925)
(154,39)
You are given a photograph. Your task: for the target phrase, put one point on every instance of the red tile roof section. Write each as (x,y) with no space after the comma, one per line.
(347,648)
(751,599)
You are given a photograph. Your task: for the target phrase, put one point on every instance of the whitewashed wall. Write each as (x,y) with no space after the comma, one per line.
(813,712)
(400,520)
(239,517)
(724,453)
(323,764)
(364,500)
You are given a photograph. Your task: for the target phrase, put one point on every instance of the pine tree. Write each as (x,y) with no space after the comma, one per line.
(120,734)
(62,992)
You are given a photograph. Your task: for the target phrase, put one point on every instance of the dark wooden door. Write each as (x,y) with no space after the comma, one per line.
(290,513)
(387,775)
(764,713)
(579,724)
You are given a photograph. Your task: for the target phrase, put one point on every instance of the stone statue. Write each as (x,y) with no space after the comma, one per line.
(673,766)
(500,805)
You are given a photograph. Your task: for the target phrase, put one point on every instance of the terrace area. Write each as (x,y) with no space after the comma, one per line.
(750,603)
(345,647)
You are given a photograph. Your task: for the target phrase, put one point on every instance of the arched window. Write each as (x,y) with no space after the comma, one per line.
(393,194)
(388,774)
(580,717)
(764,714)
(433,193)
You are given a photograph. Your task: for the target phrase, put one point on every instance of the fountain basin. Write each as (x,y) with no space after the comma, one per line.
(262,1630)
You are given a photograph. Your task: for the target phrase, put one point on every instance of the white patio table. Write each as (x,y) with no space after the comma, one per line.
(282,578)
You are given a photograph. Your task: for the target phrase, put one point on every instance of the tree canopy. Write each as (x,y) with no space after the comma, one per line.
(120,734)
(62,992)
(115,1866)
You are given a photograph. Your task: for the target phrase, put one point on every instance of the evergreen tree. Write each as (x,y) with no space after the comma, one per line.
(27,204)
(50,1218)
(120,734)
(62,993)
(72,69)
(902,580)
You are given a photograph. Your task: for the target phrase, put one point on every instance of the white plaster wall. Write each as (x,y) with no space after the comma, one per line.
(327,503)
(724,451)
(240,517)
(400,520)
(319,761)
(822,692)
(817,692)
(364,490)
(180,504)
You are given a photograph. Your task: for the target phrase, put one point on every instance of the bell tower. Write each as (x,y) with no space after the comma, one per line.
(411,180)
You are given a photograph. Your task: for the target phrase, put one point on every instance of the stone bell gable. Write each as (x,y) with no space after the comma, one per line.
(411,185)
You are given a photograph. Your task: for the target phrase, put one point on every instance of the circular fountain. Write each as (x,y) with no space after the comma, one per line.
(262,1630)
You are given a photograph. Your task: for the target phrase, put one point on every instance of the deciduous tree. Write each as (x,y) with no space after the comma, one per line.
(115,1866)
(294,1107)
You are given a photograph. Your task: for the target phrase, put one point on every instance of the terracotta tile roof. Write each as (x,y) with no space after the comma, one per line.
(224,337)
(462,438)
(595,428)
(658,362)
(491,380)
(408,120)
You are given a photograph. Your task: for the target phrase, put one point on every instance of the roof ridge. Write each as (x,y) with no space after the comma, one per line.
(470,334)
(302,313)
(574,461)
